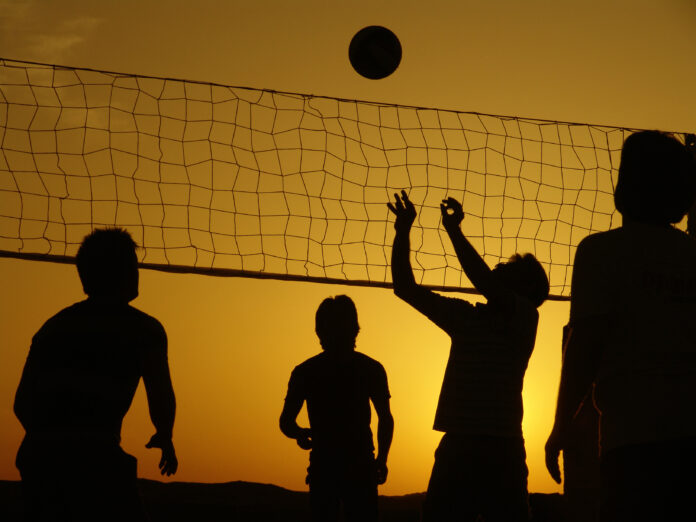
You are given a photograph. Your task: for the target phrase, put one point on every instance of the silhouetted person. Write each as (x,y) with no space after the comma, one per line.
(338,385)
(79,379)
(632,309)
(480,465)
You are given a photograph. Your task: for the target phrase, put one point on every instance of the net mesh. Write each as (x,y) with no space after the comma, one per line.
(230,180)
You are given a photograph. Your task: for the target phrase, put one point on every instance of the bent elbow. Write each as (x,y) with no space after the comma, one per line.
(397,290)
(399,286)
(405,291)
(285,425)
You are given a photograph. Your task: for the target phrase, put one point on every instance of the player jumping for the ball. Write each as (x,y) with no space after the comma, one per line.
(480,464)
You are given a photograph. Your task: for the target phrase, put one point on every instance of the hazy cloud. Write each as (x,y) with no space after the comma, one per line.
(42,31)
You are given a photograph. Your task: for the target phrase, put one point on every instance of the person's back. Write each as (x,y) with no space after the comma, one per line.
(79,380)
(645,279)
(632,332)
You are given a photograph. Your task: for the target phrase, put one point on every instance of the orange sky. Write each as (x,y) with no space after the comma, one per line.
(233,342)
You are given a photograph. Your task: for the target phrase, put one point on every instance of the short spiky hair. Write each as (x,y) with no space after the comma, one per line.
(336,321)
(657,178)
(530,280)
(105,254)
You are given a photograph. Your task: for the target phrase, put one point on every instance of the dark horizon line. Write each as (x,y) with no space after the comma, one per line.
(240,482)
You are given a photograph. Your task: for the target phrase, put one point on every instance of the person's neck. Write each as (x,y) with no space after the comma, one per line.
(339,351)
(629,222)
(107,300)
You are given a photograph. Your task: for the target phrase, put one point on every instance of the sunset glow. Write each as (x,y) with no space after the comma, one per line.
(233,341)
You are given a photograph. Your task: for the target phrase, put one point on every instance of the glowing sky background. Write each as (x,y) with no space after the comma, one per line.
(233,342)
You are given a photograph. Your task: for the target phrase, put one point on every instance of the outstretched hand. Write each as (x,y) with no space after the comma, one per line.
(454,219)
(404,211)
(554,445)
(168,463)
(304,439)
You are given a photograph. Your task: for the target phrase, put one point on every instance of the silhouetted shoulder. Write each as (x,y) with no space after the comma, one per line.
(323,359)
(595,242)
(618,269)
(368,362)
(65,314)
(630,245)
(88,323)
(646,234)
(377,375)
(63,321)
(83,310)
(361,368)
(146,322)
(310,364)
(446,312)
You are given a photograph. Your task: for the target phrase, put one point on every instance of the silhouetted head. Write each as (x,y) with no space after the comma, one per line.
(337,323)
(108,265)
(525,276)
(657,179)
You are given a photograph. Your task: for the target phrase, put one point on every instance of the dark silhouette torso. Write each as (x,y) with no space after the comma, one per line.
(338,390)
(86,363)
(79,380)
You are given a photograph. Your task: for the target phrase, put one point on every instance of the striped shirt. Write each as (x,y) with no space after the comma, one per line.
(482,389)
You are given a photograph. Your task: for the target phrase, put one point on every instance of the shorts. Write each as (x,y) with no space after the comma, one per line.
(653,481)
(79,482)
(335,481)
(478,475)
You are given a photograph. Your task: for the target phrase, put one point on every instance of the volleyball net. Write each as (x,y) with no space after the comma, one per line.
(228,180)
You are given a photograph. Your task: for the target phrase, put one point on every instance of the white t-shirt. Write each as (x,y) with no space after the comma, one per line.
(644,278)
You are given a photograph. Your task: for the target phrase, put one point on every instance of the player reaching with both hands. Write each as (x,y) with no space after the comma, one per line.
(480,465)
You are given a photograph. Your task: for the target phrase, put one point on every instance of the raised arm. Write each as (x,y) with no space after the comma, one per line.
(443,311)
(161,402)
(385,432)
(475,268)
(402,273)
